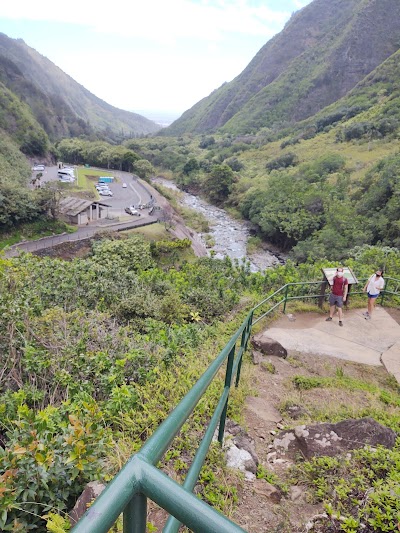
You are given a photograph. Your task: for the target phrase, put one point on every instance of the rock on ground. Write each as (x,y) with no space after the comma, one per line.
(333,439)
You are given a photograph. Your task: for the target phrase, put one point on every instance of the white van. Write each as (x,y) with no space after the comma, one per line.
(66,174)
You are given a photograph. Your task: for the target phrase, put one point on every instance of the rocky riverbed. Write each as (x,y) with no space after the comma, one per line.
(229,235)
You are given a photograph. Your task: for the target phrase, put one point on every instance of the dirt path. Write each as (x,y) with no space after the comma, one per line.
(256,513)
(266,411)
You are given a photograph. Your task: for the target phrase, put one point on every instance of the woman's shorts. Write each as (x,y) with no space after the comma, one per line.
(373,295)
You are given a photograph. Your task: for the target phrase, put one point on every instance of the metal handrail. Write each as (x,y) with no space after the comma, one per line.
(287,298)
(139,479)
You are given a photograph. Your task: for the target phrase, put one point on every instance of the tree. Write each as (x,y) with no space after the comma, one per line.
(143,168)
(17,205)
(35,142)
(219,183)
(206,142)
(48,198)
(190,166)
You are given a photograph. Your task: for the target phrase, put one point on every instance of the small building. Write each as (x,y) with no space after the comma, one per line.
(78,211)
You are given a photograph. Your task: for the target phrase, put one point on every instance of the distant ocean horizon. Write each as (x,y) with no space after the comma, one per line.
(162,118)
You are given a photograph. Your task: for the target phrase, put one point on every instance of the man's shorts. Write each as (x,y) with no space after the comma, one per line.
(373,295)
(336,300)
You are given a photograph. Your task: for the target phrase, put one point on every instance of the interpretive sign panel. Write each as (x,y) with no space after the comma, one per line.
(329,274)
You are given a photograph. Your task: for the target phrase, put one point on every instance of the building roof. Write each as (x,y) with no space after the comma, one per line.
(73,206)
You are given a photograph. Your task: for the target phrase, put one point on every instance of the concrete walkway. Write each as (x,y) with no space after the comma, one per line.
(371,342)
(83,232)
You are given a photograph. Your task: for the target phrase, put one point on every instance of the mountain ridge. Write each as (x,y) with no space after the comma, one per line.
(325,49)
(61,105)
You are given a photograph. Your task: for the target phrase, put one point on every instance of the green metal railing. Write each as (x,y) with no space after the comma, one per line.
(291,291)
(140,479)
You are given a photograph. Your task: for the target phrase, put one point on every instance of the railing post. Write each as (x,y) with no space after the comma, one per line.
(228,379)
(324,285)
(243,344)
(383,292)
(286,294)
(135,515)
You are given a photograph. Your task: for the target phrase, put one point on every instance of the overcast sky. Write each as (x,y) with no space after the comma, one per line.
(149,55)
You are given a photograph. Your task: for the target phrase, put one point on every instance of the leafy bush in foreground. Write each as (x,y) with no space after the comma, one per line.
(48,459)
(360,493)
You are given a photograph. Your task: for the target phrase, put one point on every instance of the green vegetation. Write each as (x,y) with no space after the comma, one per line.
(194,219)
(154,232)
(58,105)
(97,343)
(17,120)
(97,154)
(95,352)
(318,192)
(90,360)
(293,76)
(33,231)
(316,187)
(359,490)
(23,210)
(254,244)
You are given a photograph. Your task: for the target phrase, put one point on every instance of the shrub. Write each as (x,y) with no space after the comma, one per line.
(306,383)
(289,159)
(48,459)
(360,492)
(206,142)
(290,142)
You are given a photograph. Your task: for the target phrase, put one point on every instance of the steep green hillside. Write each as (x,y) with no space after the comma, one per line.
(322,53)
(55,116)
(318,189)
(374,103)
(14,167)
(62,106)
(17,120)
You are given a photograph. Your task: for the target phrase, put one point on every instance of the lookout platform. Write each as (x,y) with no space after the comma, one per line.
(371,342)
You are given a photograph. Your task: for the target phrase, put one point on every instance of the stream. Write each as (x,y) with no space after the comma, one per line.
(229,235)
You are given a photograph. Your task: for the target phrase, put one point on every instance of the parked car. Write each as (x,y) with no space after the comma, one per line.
(100,186)
(124,185)
(132,211)
(105,192)
(38,168)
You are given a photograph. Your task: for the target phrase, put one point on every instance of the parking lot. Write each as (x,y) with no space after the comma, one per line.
(134,194)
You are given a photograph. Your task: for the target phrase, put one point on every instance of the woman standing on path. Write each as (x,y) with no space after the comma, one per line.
(373,287)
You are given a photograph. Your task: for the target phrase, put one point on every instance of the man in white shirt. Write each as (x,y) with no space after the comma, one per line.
(373,287)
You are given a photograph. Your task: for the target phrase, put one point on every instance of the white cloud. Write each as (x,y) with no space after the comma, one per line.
(154,79)
(301,3)
(154,19)
(172,53)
